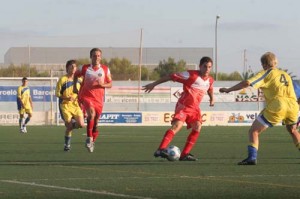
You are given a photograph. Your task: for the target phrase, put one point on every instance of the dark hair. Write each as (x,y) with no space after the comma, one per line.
(70,62)
(205,60)
(24,78)
(94,50)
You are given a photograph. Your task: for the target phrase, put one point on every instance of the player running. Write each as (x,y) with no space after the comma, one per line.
(96,78)
(24,103)
(196,83)
(68,103)
(281,104)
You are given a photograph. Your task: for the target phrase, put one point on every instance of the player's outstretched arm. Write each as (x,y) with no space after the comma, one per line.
(239,86)
(149,87)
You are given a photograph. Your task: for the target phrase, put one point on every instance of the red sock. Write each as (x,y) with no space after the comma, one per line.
(167,139)
(191,140)
(95,130)
(95,135)
(89,128)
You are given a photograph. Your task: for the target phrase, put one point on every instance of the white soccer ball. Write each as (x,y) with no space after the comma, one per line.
(173,153)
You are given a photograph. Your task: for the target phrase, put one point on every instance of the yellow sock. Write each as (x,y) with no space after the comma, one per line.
(255,145)
(68,134)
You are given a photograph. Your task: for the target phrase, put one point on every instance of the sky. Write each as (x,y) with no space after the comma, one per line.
(245,30)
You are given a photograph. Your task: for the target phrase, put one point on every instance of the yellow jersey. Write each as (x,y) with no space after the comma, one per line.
(64,88)
(23,94)
(281,101)
(275,83)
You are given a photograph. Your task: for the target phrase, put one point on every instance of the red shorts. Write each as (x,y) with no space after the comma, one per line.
(187,115)
(90,103)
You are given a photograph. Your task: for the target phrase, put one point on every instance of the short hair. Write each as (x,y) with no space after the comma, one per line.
(269,59)
(94,50)
(205,60)
(24,78)
(70,62)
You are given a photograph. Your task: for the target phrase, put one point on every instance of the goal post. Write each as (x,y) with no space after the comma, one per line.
(45,103)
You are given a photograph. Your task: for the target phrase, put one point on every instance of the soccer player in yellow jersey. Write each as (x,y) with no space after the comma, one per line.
(68,103)
(281,104)
(24,104)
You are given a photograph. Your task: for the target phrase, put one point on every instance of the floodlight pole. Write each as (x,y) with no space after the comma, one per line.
(216,48)
(29,60)
(140,68)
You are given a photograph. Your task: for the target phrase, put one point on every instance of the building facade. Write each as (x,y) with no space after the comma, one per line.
(55,58)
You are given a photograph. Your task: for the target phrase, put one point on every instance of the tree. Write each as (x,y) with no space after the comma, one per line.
(166,67)
(122,69)
(247,75)
(83,61)
(22,71)
(234,76)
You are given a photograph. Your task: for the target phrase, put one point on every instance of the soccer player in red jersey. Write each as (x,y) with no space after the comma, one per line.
(195,84)
(96,77)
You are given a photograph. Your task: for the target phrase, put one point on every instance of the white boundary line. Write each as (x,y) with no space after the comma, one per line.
(75,189)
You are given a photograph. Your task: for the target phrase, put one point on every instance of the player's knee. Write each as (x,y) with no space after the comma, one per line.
(175,128)
(80,125)
(197,127)
(91,116)
(292,129)
(69,127)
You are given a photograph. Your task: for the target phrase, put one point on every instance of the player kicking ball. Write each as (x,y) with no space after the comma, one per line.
(196,83)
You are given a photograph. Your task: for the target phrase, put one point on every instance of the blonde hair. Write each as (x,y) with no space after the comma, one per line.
(269,59)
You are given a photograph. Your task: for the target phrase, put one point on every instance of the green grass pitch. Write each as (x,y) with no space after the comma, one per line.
(34,165)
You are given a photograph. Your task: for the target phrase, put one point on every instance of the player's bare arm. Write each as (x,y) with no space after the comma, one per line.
(30,101)
(149,87)
(75,89)
(106,85)
(22,105)
(239,86)
(211,97)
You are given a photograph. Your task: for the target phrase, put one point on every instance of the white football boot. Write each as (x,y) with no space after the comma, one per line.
(89,144)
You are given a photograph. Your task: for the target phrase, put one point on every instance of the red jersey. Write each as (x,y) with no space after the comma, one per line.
(194,87)
(92,77)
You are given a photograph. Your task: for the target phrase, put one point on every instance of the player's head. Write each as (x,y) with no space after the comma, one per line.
(268,60)
(70,65)
(205,66)
(96,55)
(95,50)
(24,81)
(205,60)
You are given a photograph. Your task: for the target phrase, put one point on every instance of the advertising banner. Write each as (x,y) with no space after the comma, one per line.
(38,93)
(229,118)
(130,94)
(249,94)
(218,97)
(12,118)
(121,118)
(210,118)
